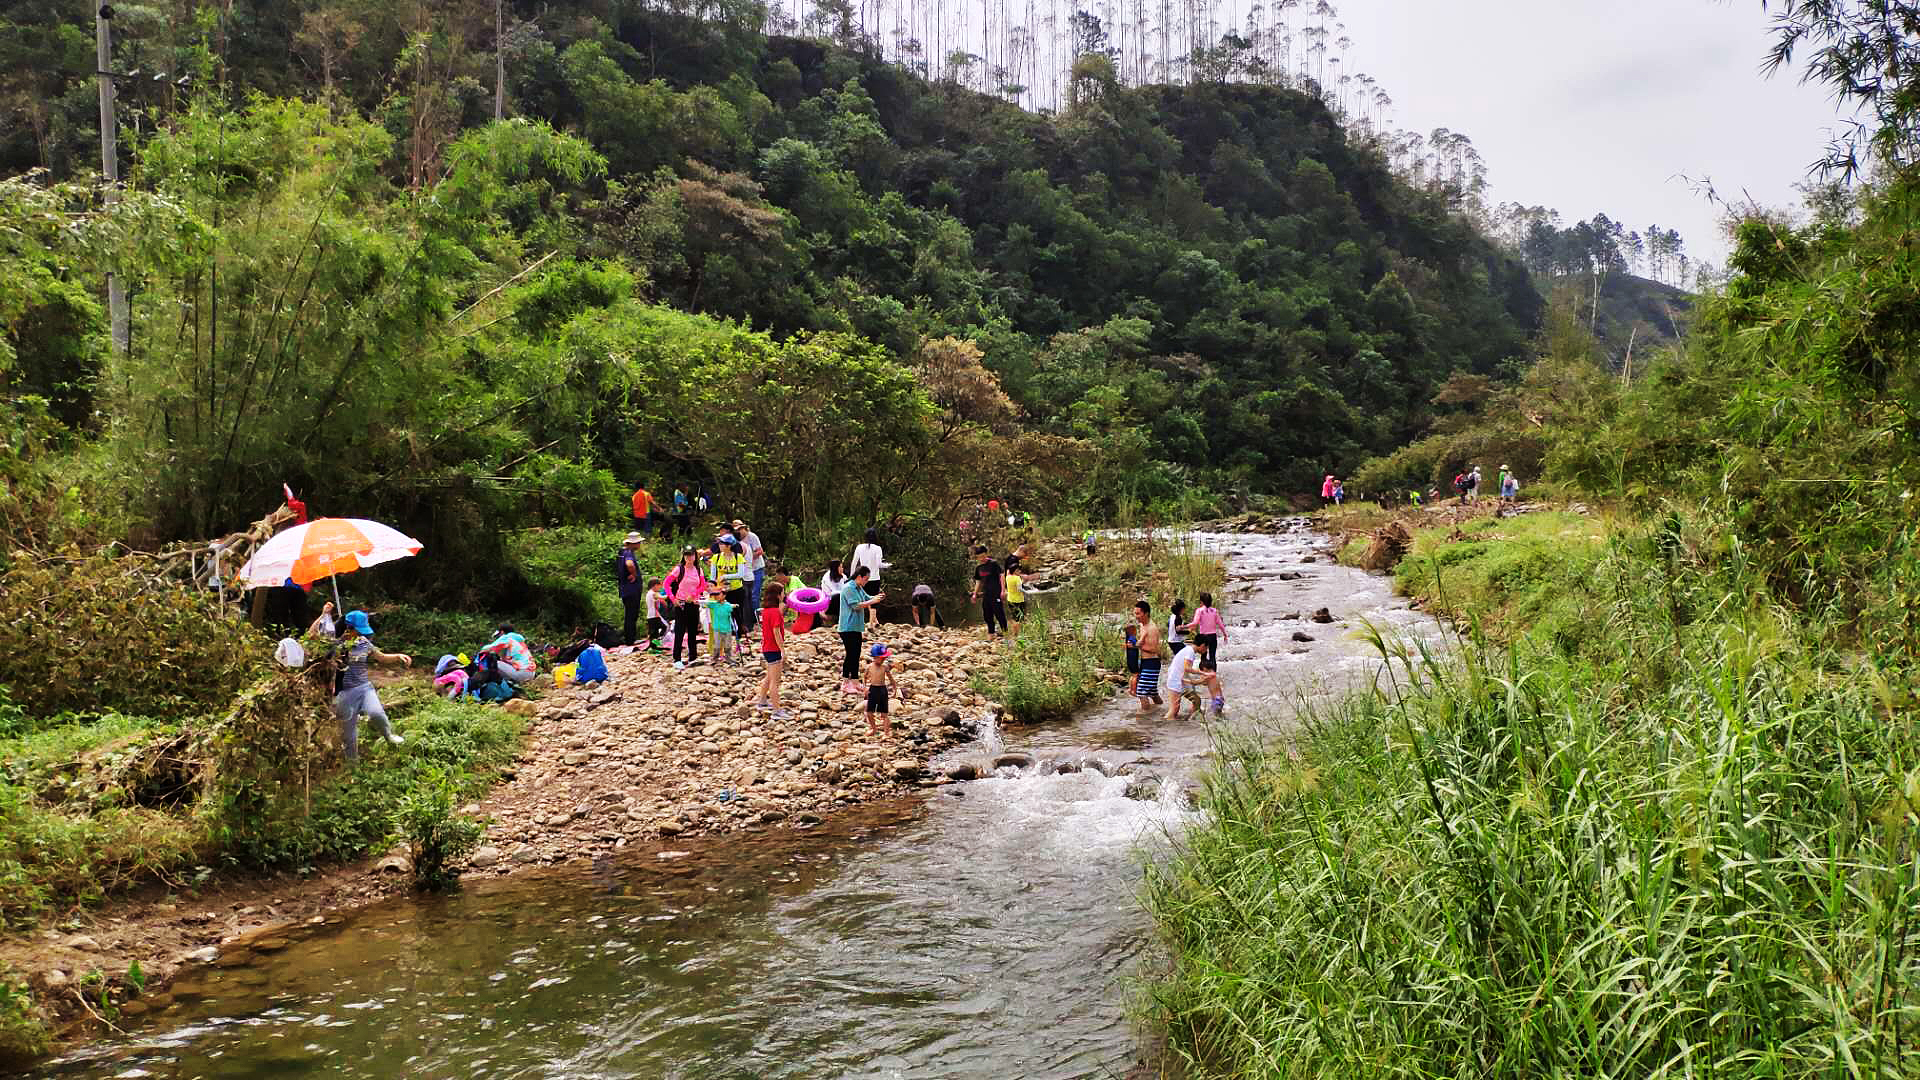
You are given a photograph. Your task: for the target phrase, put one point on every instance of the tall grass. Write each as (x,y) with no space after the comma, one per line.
(1057,664)
(1554,861)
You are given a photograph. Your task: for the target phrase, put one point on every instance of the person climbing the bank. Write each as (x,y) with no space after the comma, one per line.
(773,641)
(854,605)
(720,624)
(682,513)
(1146,686)
(1091,545)
(642,511)
(685,586)
(511,656)
(1326,491)
(632,586)
(1209,630)
(1509,485)
(1339,492)
(867,553)
(879,681)
(1473,484)
(356,697)
(987,590)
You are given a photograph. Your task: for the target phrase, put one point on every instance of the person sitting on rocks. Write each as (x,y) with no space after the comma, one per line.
(512,658)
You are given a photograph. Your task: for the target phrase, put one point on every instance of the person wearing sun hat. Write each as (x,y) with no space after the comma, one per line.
(633,587)
(879,679)
(357,696)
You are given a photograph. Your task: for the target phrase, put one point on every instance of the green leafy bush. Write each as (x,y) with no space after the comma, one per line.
(23,1038)
(86,632)
(71,830)
(269,816)
(437,838)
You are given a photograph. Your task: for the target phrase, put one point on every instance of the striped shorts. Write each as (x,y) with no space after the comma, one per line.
(1149,685)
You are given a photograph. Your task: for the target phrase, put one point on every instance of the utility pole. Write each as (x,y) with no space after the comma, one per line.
(499,61)
(109,163)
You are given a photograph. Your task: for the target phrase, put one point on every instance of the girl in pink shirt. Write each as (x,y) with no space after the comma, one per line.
(1208,632)
(686,586)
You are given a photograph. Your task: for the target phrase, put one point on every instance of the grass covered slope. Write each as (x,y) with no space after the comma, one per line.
(1665,837)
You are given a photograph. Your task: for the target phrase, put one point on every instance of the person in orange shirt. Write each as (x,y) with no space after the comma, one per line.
(642,511)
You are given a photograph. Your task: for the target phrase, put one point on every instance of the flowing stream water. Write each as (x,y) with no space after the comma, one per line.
(990,929)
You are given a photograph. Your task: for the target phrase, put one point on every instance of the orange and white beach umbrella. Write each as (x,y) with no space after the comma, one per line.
(323,548)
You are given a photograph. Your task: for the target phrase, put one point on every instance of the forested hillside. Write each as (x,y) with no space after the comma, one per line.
(389,298)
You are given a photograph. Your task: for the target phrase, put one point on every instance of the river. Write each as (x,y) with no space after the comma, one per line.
(989,929)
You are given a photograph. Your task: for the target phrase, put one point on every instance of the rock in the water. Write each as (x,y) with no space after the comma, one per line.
(1301,636)
(1323,616)
(950,718)
(270,944)
(483,857)
(962,771)
(394,864)
(1144,789)
(1014,760)
(905,768)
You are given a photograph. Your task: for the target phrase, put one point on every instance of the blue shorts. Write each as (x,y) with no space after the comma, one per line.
(772,657)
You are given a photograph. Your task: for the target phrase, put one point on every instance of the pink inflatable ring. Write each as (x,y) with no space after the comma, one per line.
(808,601)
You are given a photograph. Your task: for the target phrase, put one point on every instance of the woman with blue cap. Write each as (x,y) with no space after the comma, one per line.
(356,696)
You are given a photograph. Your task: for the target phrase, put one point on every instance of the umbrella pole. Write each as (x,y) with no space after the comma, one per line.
(338,611)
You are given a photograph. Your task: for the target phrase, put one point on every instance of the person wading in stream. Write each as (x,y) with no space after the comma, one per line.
(1147,684)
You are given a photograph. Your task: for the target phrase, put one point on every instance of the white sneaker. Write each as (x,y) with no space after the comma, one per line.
(394,739)
(679,665)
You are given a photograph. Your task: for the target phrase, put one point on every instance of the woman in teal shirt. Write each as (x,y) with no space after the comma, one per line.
(854,604)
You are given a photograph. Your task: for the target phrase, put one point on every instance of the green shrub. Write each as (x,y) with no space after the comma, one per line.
(90,633)
(23,1038)
(1054,667)
(437,838)
(262,818)
(72,824)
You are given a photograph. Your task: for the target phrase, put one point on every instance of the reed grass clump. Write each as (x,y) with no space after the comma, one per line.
(1543,861)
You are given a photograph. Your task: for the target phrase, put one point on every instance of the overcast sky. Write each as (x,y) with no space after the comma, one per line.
(1592,106)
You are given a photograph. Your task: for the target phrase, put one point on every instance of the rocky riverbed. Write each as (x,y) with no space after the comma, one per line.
(659,752)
